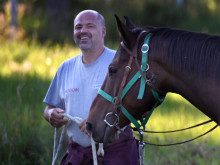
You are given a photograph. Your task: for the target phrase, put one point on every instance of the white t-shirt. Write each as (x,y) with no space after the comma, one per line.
(74,88)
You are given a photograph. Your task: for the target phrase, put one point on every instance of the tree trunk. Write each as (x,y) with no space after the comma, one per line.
(13,23)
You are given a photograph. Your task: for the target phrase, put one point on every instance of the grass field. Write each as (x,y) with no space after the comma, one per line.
(27,139)
(176,113)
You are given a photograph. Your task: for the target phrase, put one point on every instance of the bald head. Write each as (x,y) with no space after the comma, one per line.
(93,13)
(89,33)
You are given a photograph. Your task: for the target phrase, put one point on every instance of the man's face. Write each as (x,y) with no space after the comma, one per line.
(88,31)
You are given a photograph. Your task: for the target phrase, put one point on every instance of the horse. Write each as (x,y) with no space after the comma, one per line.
(148,64)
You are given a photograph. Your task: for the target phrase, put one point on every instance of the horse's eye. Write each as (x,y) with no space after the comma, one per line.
(112,70)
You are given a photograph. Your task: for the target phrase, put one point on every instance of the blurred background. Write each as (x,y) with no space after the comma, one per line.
(36,37)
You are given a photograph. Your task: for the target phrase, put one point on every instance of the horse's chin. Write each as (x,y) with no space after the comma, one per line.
(111,135)
(107,136)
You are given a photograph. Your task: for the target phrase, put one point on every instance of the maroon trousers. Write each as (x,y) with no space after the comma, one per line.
(122,152)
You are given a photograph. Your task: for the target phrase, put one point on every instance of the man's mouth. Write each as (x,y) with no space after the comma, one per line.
(84,38)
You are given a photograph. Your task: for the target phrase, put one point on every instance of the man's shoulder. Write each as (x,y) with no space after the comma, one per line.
(111,51)
(71,61)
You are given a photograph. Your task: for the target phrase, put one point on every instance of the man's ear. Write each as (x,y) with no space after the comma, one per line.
(125,31)
(104,32)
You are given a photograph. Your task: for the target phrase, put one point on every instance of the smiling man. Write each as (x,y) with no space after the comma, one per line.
(89,33)
(75,86)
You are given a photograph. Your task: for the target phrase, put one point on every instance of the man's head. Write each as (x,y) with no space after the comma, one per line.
(89,30)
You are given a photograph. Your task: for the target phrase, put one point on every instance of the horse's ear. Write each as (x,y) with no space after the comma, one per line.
(129,23)
(123,30)
(125,33)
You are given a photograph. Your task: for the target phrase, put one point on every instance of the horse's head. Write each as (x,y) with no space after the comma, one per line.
(127,87)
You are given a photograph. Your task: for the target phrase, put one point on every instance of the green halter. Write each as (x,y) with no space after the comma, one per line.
(144,68)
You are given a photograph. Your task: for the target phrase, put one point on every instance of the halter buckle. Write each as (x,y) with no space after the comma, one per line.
(145,48)
(114,122)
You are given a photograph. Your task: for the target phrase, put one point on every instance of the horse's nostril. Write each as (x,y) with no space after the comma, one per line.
(89,127)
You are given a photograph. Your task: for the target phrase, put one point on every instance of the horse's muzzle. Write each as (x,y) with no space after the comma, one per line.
(89,127)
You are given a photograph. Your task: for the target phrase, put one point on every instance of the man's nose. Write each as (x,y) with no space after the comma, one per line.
(84,29)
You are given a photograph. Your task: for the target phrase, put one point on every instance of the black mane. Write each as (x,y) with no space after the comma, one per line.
(188,52)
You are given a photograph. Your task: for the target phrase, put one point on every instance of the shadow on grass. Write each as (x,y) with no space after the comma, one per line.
(25,136)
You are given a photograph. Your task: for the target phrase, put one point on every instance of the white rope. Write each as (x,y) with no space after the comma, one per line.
(55,142)
(141,152)
(58,143)
(94,152)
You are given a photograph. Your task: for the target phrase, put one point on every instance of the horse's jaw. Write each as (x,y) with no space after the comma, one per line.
(111,135)
(107,135)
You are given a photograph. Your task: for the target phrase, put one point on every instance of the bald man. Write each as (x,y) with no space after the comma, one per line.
(73,89)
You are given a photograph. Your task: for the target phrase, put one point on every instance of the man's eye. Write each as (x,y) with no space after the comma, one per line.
(78,27)
(112,70)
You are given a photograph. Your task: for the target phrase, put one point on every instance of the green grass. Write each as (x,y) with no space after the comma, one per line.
(176,113)
(27,139)
(187,154)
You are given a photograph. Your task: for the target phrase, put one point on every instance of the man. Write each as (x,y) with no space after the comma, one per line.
(73,89)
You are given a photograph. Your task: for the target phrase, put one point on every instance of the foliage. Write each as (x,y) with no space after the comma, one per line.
(52,20)
(2,4)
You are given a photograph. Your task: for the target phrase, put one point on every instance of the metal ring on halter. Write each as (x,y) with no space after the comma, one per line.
(144,48)
(115,122)
(128,67)
(151,79)
(147,67)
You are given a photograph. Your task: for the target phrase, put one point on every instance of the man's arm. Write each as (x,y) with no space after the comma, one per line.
(54,116)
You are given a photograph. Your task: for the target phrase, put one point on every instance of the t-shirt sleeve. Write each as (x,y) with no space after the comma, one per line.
(53,97)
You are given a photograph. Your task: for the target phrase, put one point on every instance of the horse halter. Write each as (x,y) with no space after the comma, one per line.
(124,88)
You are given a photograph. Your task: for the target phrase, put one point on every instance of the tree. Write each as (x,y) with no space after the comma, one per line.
(13,22)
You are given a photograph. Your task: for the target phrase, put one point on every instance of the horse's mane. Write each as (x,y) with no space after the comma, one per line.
(188,51)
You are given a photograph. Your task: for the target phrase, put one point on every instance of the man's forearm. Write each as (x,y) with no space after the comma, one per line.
(46,112)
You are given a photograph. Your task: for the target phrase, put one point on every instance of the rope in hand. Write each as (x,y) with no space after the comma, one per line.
(58,143)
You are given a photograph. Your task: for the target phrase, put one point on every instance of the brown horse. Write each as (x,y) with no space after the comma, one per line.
(178,61)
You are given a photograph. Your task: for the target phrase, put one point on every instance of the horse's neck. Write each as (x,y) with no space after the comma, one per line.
(203,93)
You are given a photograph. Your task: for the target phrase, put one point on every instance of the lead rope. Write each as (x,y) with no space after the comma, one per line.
(141,147)
(58,143)
(100,153)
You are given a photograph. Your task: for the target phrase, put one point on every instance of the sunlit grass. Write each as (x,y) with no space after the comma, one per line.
(177,113)
(33,59)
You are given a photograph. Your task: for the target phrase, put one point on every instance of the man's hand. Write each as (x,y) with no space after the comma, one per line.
(54,116)
(82,126)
